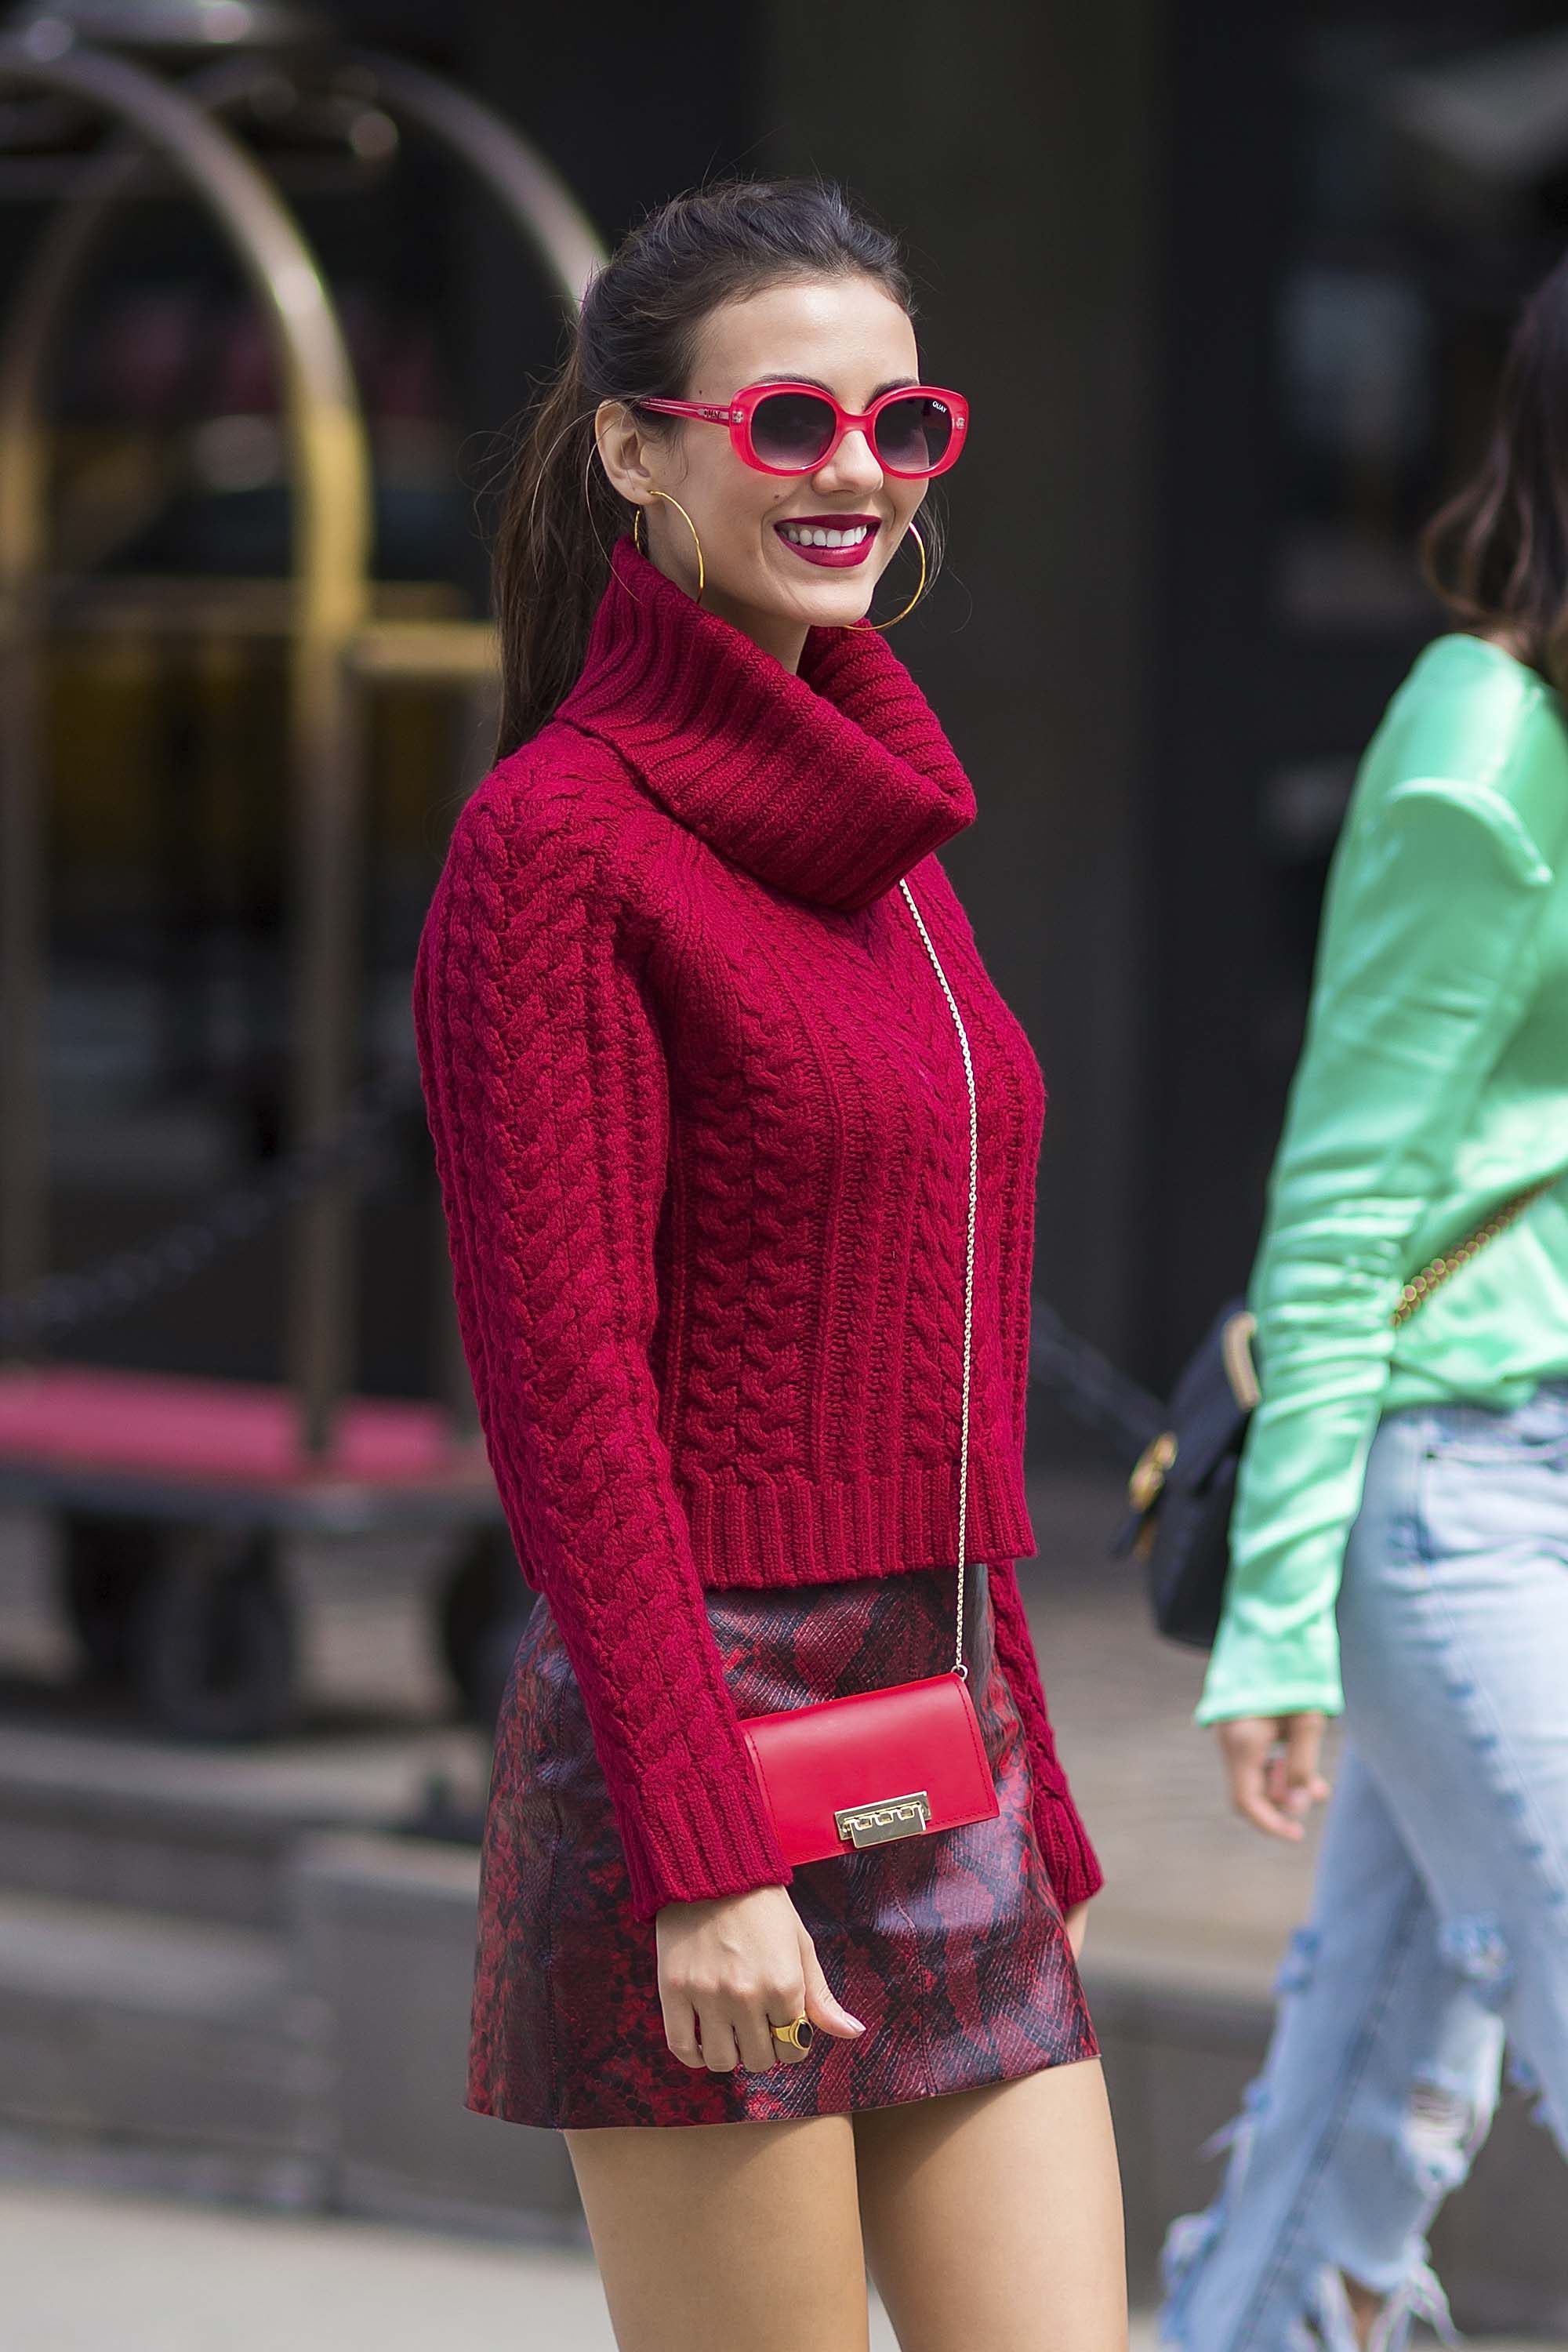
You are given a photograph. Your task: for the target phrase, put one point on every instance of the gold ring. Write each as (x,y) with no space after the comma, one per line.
(798,2034)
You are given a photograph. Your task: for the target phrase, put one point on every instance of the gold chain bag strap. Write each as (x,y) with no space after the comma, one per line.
(1236,1338)
(908,1759)
(958,1665)
(1420,1287)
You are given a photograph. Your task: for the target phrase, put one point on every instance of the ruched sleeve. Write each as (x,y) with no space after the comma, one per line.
(1427,960)
(546,1089)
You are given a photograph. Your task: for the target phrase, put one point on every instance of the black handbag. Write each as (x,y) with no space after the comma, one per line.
(1183,1488)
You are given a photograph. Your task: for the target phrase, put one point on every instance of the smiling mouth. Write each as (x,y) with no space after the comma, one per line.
(835,541)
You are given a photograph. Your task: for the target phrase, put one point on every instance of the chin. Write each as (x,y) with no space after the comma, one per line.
(833,604)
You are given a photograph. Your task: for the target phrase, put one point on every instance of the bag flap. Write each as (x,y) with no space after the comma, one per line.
(913,1739)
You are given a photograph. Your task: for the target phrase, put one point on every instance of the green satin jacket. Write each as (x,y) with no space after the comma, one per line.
(1433,1085)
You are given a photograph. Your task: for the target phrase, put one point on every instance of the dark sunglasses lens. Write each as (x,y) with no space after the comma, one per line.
(792,428)
(914,435)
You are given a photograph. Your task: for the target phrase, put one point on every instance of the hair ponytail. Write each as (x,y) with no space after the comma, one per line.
(552,556)
(636,339)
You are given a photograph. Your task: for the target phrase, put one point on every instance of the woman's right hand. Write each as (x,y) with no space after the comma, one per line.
(1271,1762)
(731,1969)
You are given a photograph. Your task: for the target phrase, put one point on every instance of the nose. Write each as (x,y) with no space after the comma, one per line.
(852,466)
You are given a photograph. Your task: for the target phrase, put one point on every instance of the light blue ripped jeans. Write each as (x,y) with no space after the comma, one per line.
(1439,1920)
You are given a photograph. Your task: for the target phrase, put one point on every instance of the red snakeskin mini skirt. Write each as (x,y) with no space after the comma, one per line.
(950,1947)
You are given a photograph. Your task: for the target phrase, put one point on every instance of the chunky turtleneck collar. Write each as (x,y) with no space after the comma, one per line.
(830,785)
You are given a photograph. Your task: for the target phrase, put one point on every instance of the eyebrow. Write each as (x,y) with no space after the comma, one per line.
(895,383)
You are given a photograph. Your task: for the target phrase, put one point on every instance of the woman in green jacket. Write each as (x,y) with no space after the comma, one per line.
(1400,1542)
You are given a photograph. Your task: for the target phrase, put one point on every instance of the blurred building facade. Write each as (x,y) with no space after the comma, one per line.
(1227,287)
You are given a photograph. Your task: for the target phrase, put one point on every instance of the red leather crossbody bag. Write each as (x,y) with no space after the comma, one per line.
(908,1759)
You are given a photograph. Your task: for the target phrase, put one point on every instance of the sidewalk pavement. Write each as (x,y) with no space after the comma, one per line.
(86,2272)
(1184,1878)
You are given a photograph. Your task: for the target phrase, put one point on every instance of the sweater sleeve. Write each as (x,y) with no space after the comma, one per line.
(1069,1858)
(1427,960)
(547,1093)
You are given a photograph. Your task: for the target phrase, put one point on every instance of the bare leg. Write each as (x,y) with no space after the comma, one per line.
(1366,2308)
(994,2217)
(717,2236)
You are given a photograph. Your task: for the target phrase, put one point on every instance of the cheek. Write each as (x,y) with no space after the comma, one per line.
(776,501)
(739,505)
(907,499)
(746,520)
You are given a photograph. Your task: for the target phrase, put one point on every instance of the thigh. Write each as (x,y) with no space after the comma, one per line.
(1454,1618)
(1454,1634)
(713,2236)
(992,2216)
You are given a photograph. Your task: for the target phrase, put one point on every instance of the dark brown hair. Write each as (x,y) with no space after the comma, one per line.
(1496,554)
(636,339)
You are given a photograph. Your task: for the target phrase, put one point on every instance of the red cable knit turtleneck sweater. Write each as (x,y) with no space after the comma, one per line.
(703,1141)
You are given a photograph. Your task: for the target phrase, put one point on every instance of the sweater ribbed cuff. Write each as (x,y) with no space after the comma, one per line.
(1070,1861)
(1260,1668)
(711,1837)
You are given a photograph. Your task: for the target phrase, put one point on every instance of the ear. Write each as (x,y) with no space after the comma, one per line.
(625,447)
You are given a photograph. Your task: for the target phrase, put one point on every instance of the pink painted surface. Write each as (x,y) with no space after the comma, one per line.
(218,1432)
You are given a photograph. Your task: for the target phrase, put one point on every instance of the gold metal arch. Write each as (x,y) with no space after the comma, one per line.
(331,598)
(331,537)
(539,204)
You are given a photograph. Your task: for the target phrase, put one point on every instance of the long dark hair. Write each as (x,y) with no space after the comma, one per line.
(1496,554)
(636,340)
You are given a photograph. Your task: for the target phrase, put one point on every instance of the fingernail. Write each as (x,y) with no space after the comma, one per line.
(858,2023)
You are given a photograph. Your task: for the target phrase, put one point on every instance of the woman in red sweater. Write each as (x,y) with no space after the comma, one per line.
(737,1145)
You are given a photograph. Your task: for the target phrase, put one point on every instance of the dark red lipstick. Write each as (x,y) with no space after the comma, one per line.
(840,557)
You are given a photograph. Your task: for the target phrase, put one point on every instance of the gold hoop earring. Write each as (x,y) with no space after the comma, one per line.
(915,599)
(691,527)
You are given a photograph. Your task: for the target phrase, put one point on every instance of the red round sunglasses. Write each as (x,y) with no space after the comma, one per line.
(794,428)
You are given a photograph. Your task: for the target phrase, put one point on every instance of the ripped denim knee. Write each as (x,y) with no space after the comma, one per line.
(1443,2130)
(1475,1945)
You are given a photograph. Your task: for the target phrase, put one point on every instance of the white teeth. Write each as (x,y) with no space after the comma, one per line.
(812,535)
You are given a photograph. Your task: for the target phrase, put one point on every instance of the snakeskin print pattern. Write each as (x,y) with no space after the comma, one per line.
(951,1947)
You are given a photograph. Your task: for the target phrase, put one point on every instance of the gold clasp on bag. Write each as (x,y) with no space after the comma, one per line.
(1147,1483)
(879,1824)
(1144,1487)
